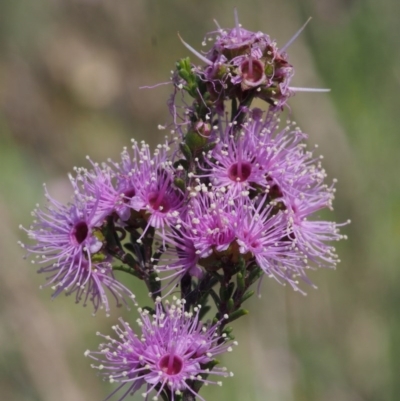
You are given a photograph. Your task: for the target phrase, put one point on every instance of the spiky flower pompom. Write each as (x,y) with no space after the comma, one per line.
(256,195)
(140,186)
(156,198)
(68,245)
(259,156)
(175,352)
(241,65)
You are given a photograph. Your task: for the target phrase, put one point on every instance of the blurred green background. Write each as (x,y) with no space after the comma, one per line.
(70,72)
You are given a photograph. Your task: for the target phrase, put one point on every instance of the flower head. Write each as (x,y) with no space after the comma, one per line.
(65,232)
(242,65)
(255,195)
(244,60)
(156,197)
(68,245)
(110,188)
(179,256)
(261,157)
(261,238)
(202,236)
(234,164)
(173,351)
(312,238)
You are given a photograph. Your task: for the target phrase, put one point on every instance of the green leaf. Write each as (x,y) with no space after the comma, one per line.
(237,314)
(179,183)
(229,291)
(130,247)
(223,293)
(195,141)
(242,264)
(155,283)
(254,275)
(209,146)
(230,304)
(228,330)
(203,311)
(186,152)
(240,282)
(183,163)
(127,269)
(214,296)
(247,295)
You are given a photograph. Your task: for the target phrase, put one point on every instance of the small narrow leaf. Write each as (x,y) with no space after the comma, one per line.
(237,314)
(240,281)
(186,151)
(230,304)
(247,295)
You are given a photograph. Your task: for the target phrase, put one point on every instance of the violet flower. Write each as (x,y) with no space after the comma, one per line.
(261,236)
(173,352)
(256,194)
(311,237)
(242,65)
(104,188)
(179,256)
(234,164)
(155,197)
(68,244)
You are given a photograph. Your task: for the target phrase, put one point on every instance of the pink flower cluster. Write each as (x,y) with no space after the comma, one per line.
(231,194)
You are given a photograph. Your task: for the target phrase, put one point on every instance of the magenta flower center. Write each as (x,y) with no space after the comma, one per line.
(129,194)
(158,202)
(239,172)
(255,244)
(80,232)
(250,240)
(274,190)
(171,364)
(252,72)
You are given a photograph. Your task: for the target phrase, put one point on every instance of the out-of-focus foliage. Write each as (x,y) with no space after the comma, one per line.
(70,72)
